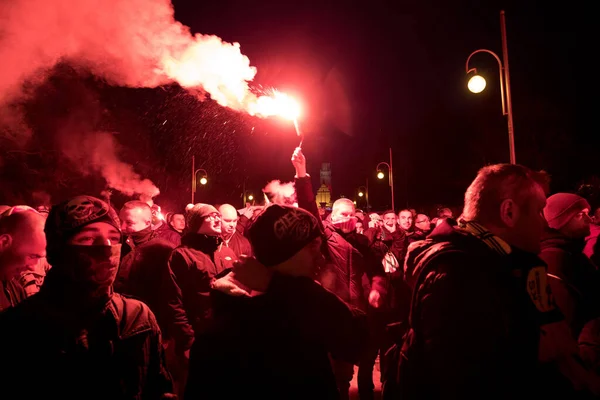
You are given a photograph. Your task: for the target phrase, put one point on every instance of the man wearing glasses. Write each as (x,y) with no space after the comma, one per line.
(193,262)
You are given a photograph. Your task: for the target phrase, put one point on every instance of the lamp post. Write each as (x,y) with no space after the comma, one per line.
(477,84)
(364,193)
(203,179)
(381,175)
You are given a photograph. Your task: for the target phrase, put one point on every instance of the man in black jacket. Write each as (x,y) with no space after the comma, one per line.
(483,320)
(76,338)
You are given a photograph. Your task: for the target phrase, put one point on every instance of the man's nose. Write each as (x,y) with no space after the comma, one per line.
(102,241)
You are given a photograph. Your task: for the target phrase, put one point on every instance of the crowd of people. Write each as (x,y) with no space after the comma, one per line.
(284,300)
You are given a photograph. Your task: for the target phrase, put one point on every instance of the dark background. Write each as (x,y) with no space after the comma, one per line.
(370,75)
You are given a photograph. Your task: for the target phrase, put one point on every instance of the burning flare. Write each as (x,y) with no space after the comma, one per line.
(135,43)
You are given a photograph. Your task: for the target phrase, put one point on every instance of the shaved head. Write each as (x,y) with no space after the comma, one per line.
(229,220)
(228,211)
(22,242)
(135,216)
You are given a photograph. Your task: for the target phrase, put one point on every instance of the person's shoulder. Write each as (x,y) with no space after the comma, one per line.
(132,315)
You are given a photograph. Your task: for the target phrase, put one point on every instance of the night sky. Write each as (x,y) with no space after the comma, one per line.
(370,75)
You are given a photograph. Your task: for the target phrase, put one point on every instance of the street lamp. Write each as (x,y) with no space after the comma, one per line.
(248,197)
(203,177)
(381,175)
(477,84)
(363,191)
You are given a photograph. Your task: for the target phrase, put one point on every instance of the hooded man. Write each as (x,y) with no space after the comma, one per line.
(89,341)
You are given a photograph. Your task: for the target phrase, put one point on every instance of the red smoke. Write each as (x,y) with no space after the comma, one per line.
(134,43)
(96,152)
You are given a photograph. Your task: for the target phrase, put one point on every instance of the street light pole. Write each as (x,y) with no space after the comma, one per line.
(505,94)
(511,132)
(392,180)
(194,174)
(193,178)
(390,176)
(367,194)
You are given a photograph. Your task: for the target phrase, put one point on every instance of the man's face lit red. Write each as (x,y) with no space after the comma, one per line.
(134,220)
(405,220)
(211,225)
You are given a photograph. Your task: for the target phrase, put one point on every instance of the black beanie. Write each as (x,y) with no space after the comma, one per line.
(67,218)
(280,232)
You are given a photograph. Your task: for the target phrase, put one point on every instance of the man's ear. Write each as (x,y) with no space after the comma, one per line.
(509,212)
(5,241)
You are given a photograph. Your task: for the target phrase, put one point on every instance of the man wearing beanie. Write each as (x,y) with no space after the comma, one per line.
(574,279)
(273,326)
(194,264)
(88,342)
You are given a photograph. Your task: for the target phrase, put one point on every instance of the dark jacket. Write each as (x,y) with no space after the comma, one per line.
(11,294)
(193,264)
(239,244)
(348,256)
(274,345)
(144,274)
(398,293)
(475,319)
(49,352)
(574,279)
(166,232)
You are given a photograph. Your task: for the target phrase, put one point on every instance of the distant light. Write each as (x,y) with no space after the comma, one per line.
(360,194)
(250,197)
(354,202)
(203,181)
(476,84)
(380,175)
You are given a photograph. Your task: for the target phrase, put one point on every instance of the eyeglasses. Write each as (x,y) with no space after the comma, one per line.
(214,217)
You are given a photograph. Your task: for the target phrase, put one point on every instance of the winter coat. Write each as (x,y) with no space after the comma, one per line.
(194,267)
(574,279)
(348,256)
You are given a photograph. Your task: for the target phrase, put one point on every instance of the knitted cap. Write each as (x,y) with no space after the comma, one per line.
(195,215)
(67,218)
(280,232)
(561,207)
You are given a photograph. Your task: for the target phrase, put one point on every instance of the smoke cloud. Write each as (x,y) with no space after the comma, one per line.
(282,193)
(132,43)
(135,43)
(96,152)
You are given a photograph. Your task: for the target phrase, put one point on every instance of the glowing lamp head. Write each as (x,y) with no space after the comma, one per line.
(360,194)
(203,181)
(250,197)
(380,175)
(476,84)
